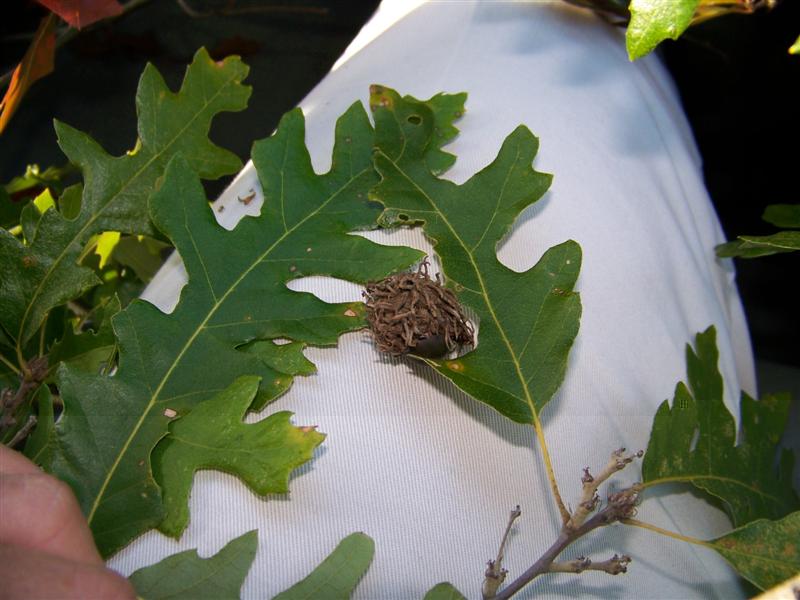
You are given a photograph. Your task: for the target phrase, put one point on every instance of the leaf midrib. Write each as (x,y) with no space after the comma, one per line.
(114,198)
(691,478)
(208,576)
(483,291)
(154,395)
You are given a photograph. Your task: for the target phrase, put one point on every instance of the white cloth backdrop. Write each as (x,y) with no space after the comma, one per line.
(429,473)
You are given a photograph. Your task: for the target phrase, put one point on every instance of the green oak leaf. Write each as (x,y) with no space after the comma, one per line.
(445,108)
(783,215)
(90,350)
(653,21)
(186,576)
(236,293)
(338,575)
(16,194)
(764,552)
(528,320)
(39,443)
(9,210)
(744,476)
(444,591)
(262,454)
(45,273)
(142,254)
(754,246)
(35,179)
(8,377)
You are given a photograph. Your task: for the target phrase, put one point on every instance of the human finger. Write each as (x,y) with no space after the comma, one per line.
(28,573)
(40,512)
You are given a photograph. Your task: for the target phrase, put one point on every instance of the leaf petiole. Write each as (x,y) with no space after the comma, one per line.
(9,364)
(548,465)
(41,335)
(666,532)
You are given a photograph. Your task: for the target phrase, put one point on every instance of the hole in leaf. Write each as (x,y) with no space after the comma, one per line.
(414,119)
(695,439)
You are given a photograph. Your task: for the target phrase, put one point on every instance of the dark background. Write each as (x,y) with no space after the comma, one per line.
(734,76)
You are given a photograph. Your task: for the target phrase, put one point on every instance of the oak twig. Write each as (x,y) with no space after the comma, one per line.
(620,506)
(590,498)
(10,401)
(613,566)
(23,431)
(495,574)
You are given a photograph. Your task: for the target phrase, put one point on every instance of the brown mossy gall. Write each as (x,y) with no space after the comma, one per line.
(410,313)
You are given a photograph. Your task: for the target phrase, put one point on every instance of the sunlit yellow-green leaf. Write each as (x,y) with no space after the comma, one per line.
(653,21)
(795,48)
(262,454)
(106,242)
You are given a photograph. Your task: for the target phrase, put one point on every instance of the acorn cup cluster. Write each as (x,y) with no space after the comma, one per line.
(411,313)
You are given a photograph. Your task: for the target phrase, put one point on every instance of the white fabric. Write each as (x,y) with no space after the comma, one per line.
(431,474)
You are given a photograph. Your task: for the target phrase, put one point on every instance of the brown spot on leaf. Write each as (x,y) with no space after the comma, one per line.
(248,198)
(28,261)
(350,313)
(170,413)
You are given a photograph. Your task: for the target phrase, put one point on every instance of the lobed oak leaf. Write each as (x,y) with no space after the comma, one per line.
(337,576)
(764,552)
(237,293)
(528,320)
(44,272)
(653,21)
(187,576)
(262,454)
(695,441)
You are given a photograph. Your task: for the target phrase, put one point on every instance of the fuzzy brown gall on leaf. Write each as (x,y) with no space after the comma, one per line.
(410,313)
(236,302)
